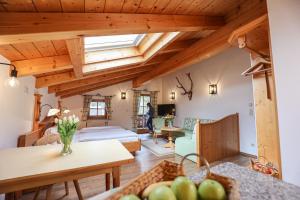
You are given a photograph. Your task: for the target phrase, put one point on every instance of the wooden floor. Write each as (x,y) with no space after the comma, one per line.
(144,161)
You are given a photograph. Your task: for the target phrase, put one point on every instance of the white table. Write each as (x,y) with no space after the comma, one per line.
(30,167)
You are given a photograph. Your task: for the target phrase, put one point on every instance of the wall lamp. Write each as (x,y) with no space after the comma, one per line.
(213,89)
(172,95)
(12,81)
(123,95)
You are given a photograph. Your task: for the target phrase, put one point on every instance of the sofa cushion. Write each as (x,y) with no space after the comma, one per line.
(189,123)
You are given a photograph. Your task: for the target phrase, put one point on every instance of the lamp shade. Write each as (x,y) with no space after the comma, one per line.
(52,112)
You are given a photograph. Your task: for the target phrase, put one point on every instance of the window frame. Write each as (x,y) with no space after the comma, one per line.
(138,106)
(91,47)
(97,116)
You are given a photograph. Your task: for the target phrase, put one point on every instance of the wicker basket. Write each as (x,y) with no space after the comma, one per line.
(168,171)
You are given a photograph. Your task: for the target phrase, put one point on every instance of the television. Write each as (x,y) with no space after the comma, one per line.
(164,109)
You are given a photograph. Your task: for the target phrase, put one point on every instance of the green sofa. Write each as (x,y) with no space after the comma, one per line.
(187,144)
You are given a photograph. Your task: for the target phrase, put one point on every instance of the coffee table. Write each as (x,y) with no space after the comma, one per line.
(171,131)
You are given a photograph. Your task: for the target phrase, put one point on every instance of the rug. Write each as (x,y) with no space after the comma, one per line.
(157,149)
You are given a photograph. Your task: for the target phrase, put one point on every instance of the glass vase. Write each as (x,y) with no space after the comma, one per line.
(66,141)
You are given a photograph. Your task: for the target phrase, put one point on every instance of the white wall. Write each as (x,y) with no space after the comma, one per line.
(284,19)
(234,93)
(122,109)
(16,107)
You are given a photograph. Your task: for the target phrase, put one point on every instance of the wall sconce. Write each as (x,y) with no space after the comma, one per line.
(172,95)
(213,89)
(123,95)
(12,81)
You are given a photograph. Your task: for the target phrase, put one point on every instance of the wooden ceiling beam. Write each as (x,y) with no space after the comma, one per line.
(76,53)
(99,85)
(64,77)
(204,48)
(177,46)
(28,27)
(42,65)
(96,79)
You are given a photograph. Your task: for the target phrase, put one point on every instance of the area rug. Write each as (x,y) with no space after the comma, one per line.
(157,149)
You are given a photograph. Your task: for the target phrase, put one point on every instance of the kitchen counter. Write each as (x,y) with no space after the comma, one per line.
(252,185)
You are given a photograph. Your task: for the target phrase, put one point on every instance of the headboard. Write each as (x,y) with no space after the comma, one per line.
(28,139)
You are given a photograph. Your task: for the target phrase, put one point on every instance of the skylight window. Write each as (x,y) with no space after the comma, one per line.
(112,42)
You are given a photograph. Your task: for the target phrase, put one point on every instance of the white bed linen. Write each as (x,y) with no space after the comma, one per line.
(105,133)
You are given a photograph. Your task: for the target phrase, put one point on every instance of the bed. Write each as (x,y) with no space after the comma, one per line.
(128,138)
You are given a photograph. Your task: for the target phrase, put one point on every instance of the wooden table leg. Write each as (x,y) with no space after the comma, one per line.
(67,188)
(48,193)
(116,176)
(107,181)
(77,187)
(37,192)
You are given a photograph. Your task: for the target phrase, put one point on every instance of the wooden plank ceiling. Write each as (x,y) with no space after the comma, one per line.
(44,38)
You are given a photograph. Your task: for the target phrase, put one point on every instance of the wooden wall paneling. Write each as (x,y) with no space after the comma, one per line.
(49,80)
(160,6)
(241,8)
(42,65)
(183,7)
(113,6)
(177,46)
(219,139)
(72,5)
(90,80)
(54,26)
(46,48)
(171,7)
(268,142)
(18,5)
(11,53)
(145,6)
(60,47)
(47,6)
(28,49)
(204,48)
(130,6)
(82,90)
(94,6)
(2,9)
(197,7)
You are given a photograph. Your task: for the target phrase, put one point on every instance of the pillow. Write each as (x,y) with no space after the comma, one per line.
(52,130)
(48,139)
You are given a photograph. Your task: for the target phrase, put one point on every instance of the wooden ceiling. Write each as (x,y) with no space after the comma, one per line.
(44,37)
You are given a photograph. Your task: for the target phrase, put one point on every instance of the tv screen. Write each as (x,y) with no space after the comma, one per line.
(164,109)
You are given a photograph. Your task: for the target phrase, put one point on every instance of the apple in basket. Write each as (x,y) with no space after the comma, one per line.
(182,188)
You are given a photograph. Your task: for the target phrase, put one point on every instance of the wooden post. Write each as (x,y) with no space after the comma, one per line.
(36,111)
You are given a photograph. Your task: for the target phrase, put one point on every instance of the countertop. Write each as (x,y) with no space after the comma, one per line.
(252,185)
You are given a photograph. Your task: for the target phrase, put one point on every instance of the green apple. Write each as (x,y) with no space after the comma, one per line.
(130,197)
(162,193)
(184,189)
(211,189)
